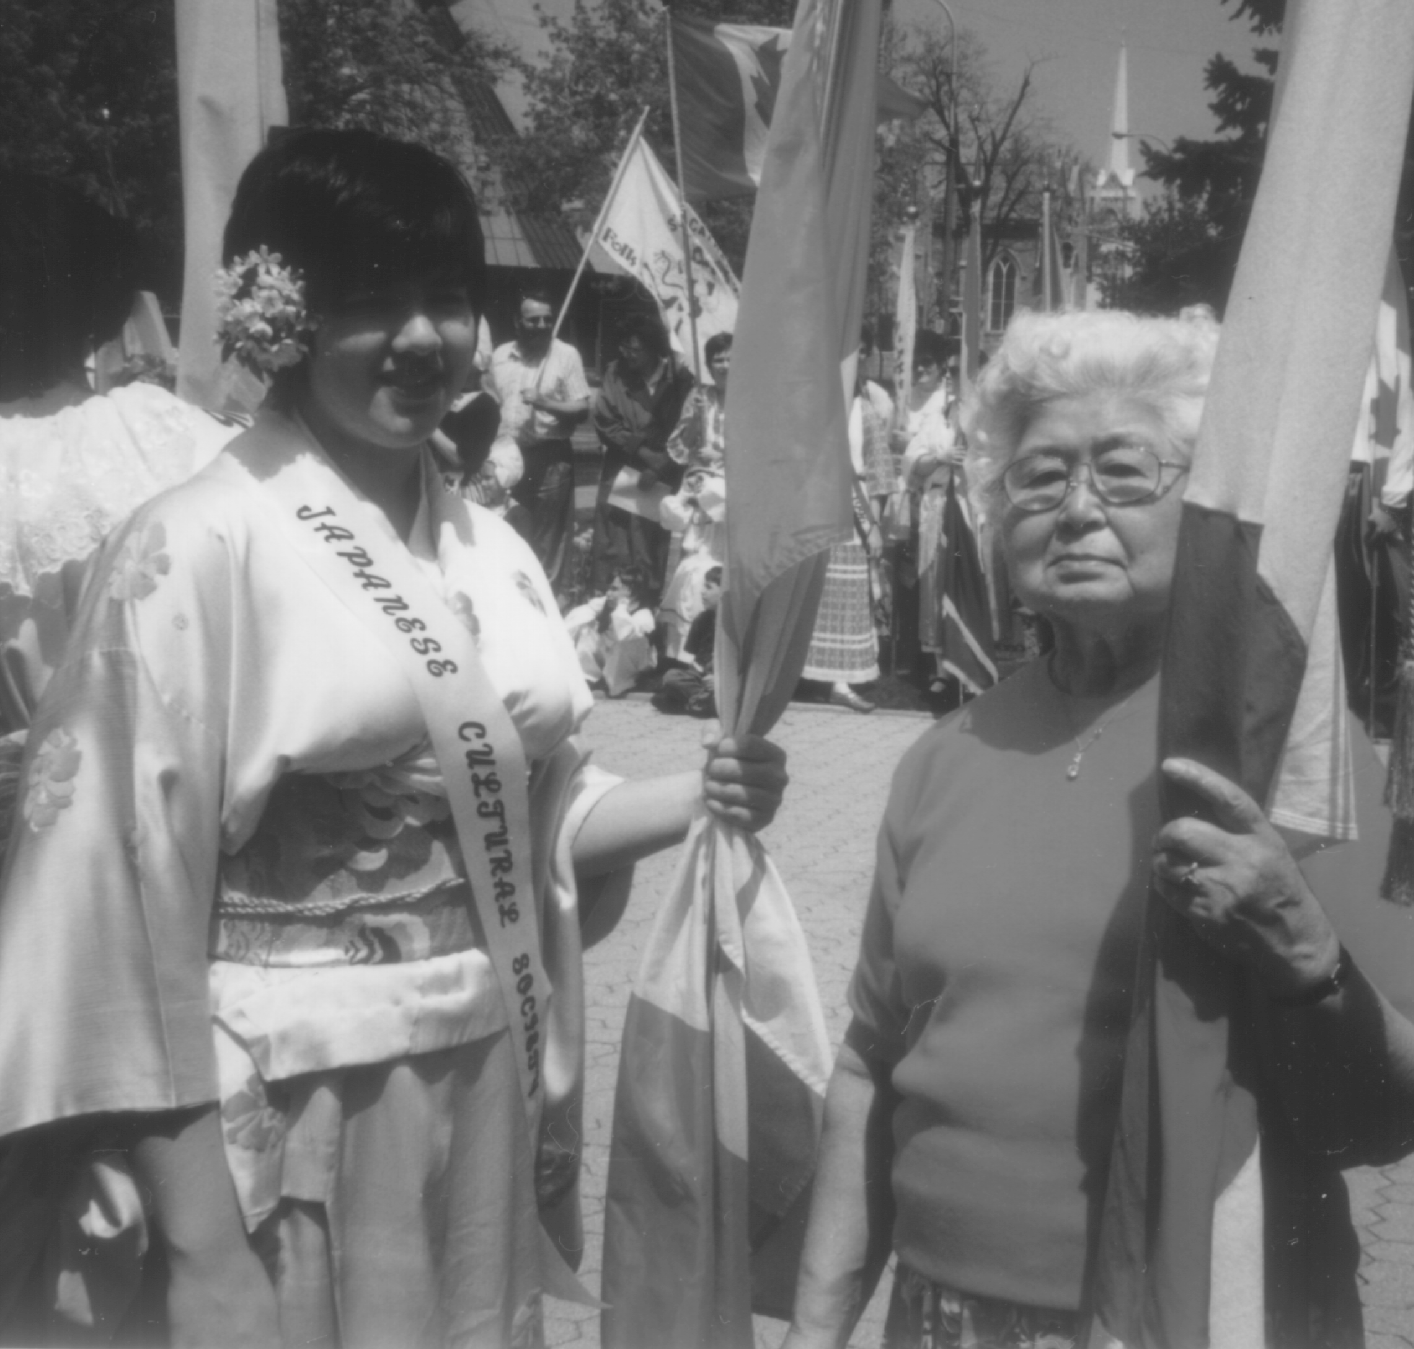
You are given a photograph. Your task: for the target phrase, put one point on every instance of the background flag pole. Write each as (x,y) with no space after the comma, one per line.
(599,221)
(682,196)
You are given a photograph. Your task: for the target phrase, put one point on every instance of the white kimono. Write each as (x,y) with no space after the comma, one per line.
(234,878)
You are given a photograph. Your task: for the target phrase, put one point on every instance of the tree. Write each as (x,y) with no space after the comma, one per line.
(71,108)
(1002,152)
(605,64)
(401,69)
(1184,248)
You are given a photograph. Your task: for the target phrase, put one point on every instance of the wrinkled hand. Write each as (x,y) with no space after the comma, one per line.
(744,780)
(1237,883)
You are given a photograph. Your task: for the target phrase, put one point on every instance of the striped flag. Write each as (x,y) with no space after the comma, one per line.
(1251,672)
(725,1057)
(728,77)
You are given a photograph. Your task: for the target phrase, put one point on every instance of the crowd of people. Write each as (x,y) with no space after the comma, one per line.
(913,593)
(303,850)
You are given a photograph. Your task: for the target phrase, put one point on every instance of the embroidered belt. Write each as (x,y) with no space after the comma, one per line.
(373,933)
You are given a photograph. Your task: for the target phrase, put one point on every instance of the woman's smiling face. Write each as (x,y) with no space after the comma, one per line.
(389,359)
(1087,563)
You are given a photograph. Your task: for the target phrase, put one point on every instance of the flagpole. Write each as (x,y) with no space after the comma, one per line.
(1046,279)
(599,222)
(682,196)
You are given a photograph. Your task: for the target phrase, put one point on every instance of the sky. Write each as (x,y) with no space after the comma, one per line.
(1076,42)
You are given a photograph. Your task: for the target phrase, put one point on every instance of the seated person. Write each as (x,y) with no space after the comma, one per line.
(696,511)
(612,632)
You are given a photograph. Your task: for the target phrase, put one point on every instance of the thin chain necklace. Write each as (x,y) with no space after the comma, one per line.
(1072,769)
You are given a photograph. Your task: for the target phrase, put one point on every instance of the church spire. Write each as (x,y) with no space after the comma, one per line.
(1120,169)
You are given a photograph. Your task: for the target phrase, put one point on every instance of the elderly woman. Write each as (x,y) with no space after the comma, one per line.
(293,916)
(970,1117)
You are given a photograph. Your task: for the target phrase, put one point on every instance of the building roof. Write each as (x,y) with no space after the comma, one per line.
(513,238)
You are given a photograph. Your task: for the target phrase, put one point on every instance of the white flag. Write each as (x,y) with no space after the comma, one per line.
(642,232)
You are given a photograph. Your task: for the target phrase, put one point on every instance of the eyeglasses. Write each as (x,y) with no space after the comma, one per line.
(1120,475)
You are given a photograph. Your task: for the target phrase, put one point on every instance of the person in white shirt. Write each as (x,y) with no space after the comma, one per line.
(540,384)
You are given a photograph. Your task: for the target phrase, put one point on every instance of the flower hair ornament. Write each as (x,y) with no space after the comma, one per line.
(262,319)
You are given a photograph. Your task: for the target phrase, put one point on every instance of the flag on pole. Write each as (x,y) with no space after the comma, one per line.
(1250,682)
(1386,435)
(640,228)
(1371,565)
(971,362)
(726,1057)
(905,318)
(729,75)
(1054,276)
(229,94)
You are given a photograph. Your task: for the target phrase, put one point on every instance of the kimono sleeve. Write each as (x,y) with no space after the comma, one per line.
(109,883)
(877,1032)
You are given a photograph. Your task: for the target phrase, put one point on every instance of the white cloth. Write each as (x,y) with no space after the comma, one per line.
(65,481)
(619,653)
(697,511)
(559,375)
(930,430)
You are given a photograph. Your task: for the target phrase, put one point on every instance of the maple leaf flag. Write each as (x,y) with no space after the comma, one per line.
(728,75)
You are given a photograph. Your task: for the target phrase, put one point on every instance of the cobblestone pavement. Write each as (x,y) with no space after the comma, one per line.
(823,841)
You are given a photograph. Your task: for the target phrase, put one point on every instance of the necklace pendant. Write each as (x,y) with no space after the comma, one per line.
(1073,772)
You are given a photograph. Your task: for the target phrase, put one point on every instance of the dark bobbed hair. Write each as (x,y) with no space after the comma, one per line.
(649,330)
(639,582)
(715,345)
(930,348)
(68,271)
(352,208)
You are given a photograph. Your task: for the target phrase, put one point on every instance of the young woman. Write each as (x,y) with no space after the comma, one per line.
(307,838)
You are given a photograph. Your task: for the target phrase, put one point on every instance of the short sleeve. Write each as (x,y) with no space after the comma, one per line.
(573,381)
(875,992)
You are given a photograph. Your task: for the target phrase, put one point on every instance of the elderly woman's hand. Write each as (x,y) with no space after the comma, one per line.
(1238,884)
(744,780)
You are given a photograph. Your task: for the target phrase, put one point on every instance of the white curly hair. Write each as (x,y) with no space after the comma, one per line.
(1164,362)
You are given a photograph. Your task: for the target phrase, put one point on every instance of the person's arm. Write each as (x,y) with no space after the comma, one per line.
(609,422)
(742,784)
(848,1235)
(687,434)
(1343,1056)
(219,1294)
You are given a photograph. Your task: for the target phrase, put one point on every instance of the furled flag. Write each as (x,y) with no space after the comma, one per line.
(1250,682)
(1054,273)
(725,1054)
(229,95)
(728,76)
(971,363)
(905,316)
(641,230)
